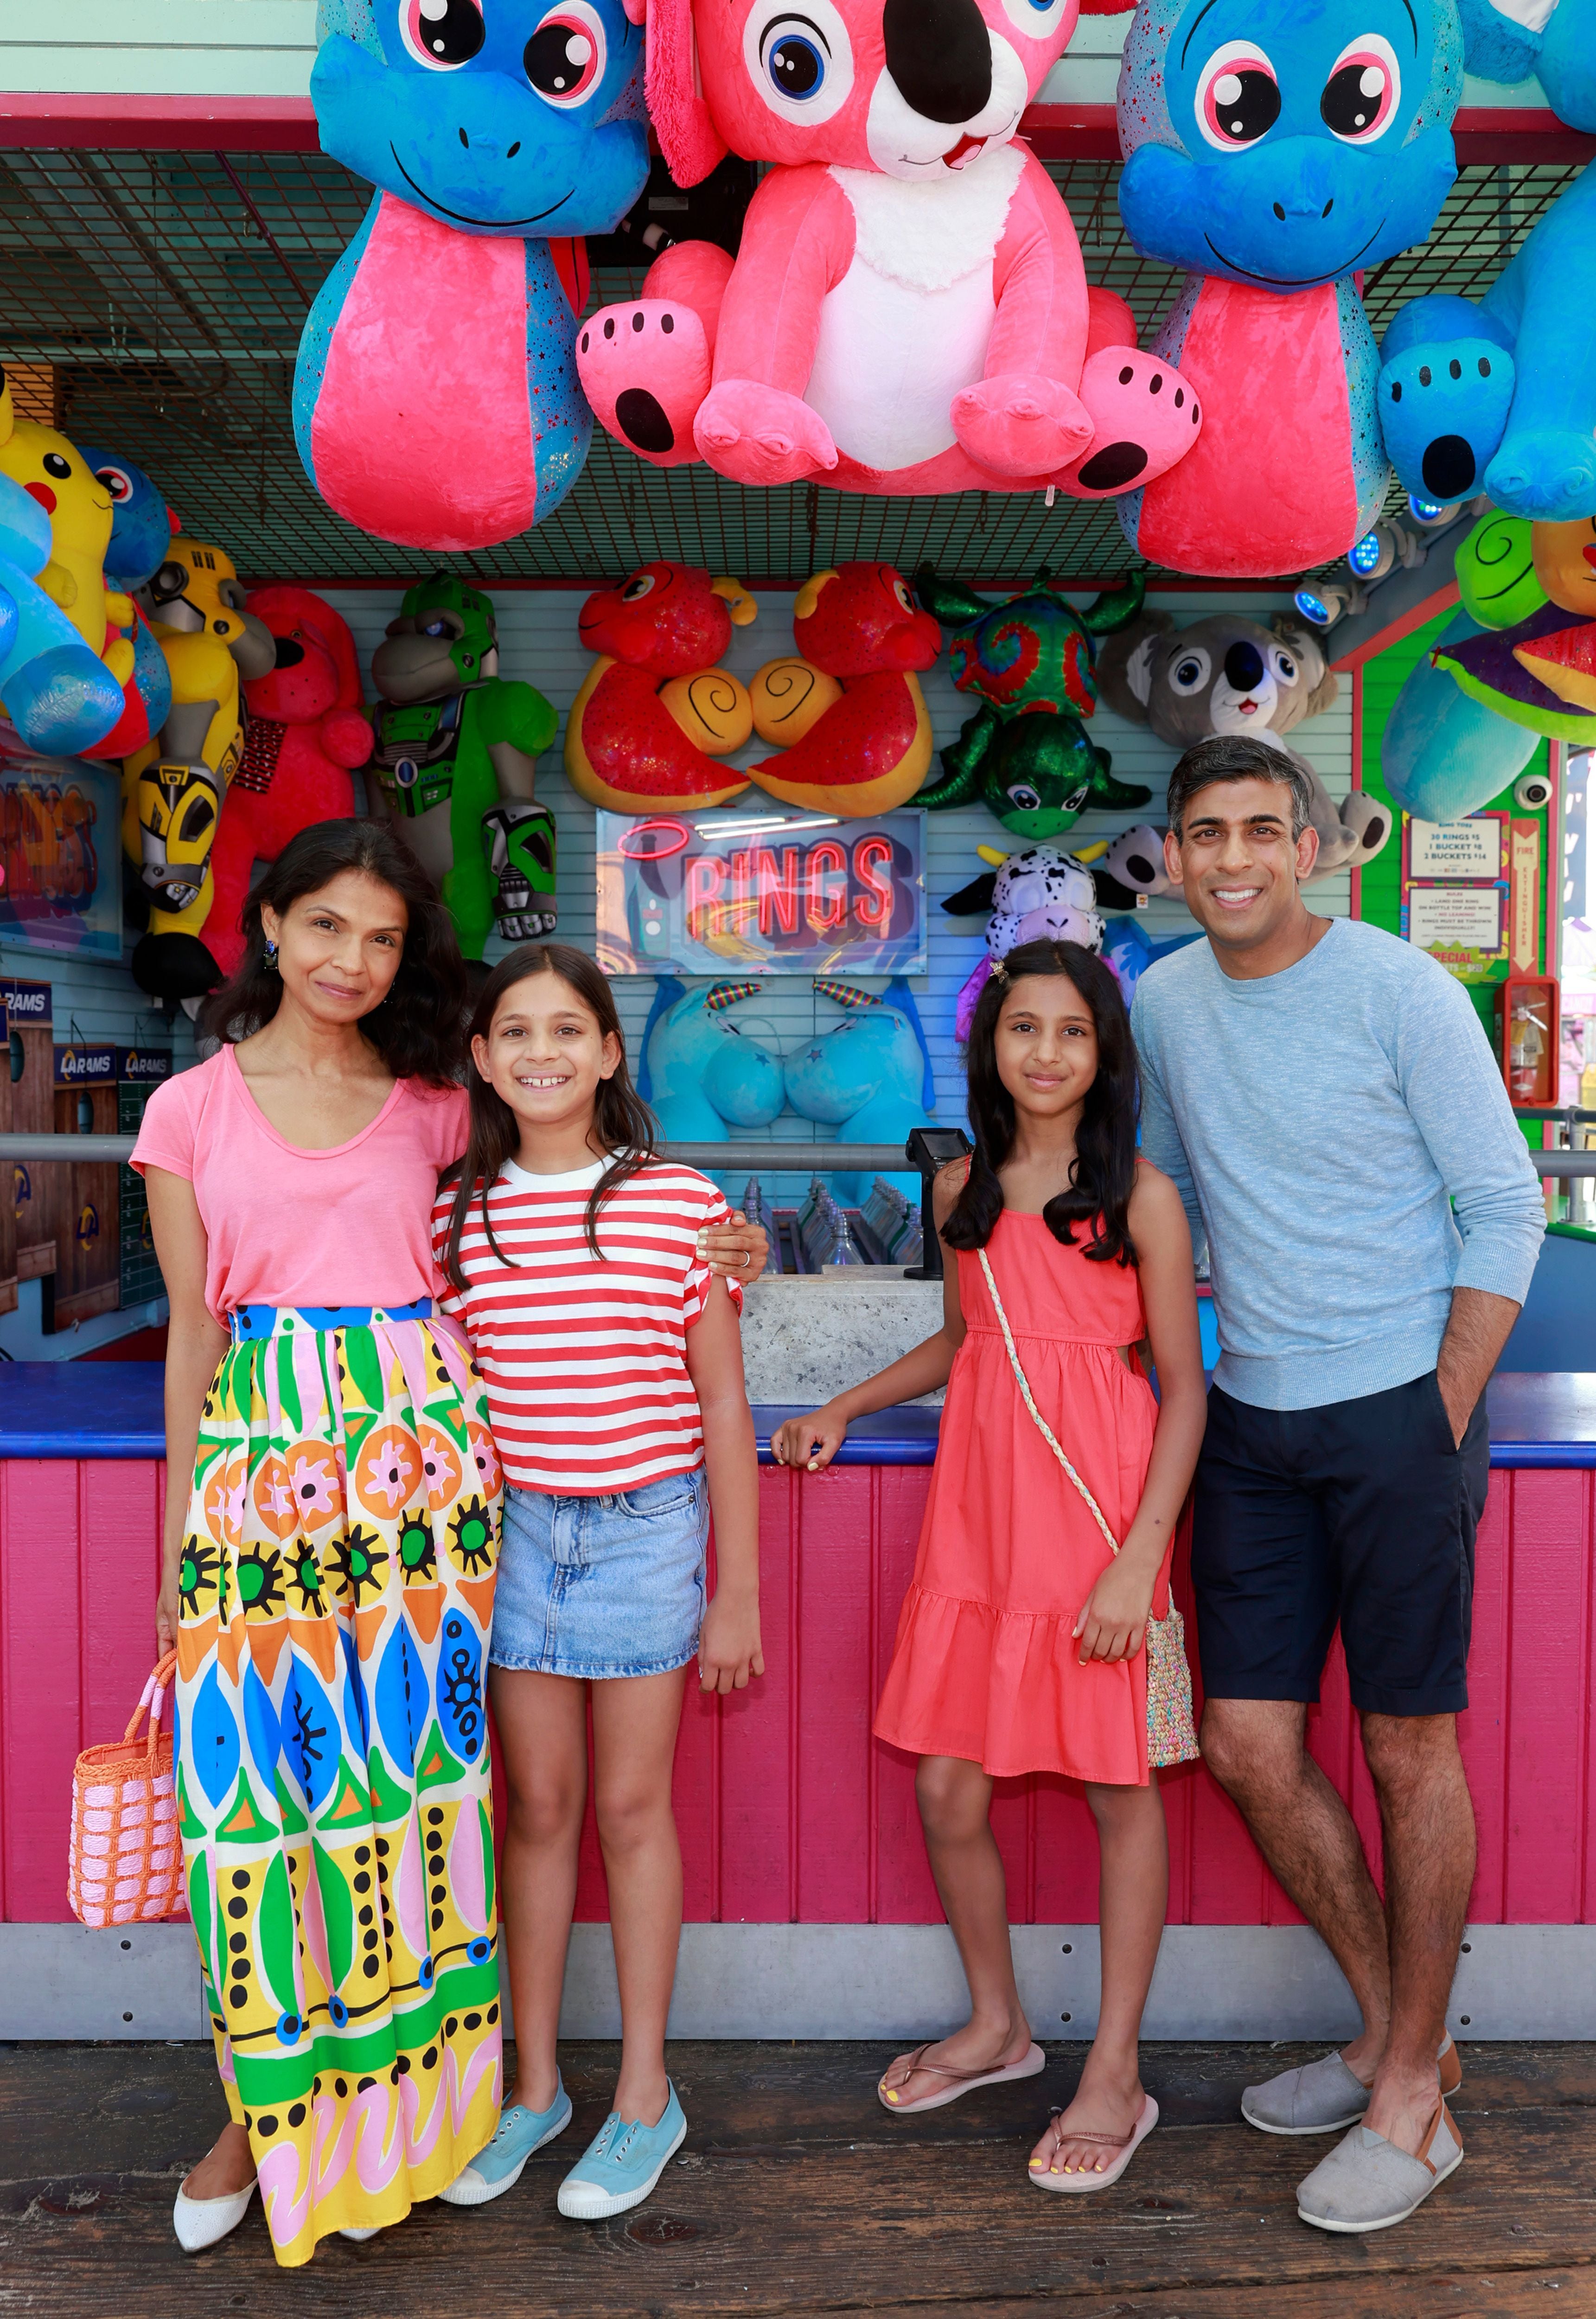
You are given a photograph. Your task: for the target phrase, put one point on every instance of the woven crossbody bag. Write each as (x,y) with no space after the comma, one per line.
(1171,1733)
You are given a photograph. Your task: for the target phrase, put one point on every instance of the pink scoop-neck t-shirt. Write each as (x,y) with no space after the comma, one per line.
(286,1226)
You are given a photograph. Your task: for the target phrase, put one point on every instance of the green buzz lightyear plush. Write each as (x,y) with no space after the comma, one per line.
(456,751)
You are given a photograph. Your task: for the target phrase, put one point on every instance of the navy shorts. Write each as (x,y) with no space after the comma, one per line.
(1362,1513)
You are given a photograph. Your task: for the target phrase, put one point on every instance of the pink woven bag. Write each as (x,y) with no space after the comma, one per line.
(125,1860)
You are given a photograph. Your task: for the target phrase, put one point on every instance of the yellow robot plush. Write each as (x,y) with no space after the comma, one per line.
(172,789)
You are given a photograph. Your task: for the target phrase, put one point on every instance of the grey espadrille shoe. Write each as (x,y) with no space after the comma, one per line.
(1367,2184)
(1323,2097)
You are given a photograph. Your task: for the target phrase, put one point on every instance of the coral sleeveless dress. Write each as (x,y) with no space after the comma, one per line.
(986,1665)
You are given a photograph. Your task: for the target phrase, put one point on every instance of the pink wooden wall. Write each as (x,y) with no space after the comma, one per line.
(789,1809)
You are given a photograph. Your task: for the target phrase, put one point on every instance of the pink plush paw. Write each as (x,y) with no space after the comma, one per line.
(645,369)
(760,435)
(1145,419)
(1016,425)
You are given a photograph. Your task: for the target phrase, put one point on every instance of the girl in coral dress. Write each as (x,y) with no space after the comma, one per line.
(1023,1642)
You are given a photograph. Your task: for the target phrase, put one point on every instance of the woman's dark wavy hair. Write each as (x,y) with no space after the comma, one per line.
(1104,1170)
(623,1124)
(418,1029)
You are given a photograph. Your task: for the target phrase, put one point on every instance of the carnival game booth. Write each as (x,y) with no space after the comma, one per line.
(799,726)
(811,1908)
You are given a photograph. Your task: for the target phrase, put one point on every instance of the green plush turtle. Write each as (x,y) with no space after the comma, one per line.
(1025,753)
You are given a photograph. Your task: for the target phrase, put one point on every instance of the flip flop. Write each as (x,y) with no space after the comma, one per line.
(1032,2062)
(1127,2145)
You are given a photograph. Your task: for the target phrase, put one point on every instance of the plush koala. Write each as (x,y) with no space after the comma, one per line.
(1230,675)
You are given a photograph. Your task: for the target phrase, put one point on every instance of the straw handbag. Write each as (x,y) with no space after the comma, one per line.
(1171,1731)
(125,1865)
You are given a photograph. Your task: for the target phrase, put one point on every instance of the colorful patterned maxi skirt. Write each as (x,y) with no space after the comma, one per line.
(336,1592)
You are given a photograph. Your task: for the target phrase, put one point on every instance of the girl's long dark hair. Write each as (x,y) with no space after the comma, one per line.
(1104,1170)
(622,1121)
(418,1029)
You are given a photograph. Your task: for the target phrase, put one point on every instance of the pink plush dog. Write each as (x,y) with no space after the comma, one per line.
(909,311)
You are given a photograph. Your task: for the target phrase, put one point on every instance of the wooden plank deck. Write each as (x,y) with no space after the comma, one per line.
(795,2193)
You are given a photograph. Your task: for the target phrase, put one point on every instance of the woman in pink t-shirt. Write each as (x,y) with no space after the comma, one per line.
(328,1580)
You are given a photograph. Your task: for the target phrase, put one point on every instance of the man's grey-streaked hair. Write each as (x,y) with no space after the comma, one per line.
(1236,757)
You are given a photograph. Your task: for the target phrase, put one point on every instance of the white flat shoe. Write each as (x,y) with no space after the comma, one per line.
(361,2230)
(201,2222)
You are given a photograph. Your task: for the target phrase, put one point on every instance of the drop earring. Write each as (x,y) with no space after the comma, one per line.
(270,961)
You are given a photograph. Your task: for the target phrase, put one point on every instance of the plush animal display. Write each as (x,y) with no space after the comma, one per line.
(56,476)
(435,398)
(654,712)
(1231,675)
(908,311)
(1029,661)
(456,757)
(1443,753)
(172,789)
(869,1079)
(1279,150)
(304,736)
(1540,673)
(848,713)
(705,1071)
(1500,397)
(60,695)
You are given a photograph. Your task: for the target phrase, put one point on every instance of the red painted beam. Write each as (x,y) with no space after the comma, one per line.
(119,123)
(111,122)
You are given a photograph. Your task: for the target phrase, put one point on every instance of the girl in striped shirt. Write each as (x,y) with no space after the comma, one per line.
(613,1364)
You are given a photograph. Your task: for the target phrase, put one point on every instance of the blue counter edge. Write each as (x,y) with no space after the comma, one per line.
(1545,1421)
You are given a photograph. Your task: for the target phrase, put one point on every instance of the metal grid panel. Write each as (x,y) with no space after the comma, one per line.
(171,289)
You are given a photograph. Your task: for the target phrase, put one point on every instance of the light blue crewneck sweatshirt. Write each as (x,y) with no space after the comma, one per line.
(1315,1123)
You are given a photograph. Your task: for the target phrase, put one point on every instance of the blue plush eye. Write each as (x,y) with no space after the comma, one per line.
(795,59)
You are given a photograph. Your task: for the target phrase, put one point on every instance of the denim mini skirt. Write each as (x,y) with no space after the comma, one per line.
(601,1587)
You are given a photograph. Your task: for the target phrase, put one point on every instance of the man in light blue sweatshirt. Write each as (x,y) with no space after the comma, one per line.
(1326,1100)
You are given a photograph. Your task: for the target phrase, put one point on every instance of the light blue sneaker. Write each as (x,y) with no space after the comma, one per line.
(498,2167)
(621,2164)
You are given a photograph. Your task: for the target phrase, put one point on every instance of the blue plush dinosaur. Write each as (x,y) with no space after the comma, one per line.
(1279,148)
(1500,397)
(436,402)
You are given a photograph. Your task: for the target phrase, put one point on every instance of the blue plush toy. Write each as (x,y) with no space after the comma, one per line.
(869,1079)
(1500,397)
(1279,148)
(703,1072)
(141,528)
(141,523)
(436,402)
(1129,949)
(60,697)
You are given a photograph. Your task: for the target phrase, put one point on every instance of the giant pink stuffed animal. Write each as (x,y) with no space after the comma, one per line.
(908,311)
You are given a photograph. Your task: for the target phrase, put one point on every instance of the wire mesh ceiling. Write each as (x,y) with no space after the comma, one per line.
(169,291)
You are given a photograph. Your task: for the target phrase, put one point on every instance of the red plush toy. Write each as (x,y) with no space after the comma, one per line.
(304,736)
(654,712)
(848,714)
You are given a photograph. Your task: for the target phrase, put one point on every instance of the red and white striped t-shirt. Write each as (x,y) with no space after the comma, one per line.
(584,1361)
